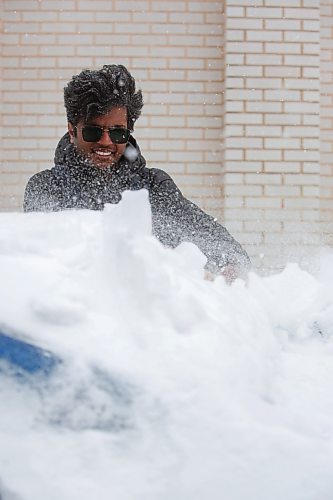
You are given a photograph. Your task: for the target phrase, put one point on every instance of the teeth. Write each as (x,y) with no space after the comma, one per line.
(103,153)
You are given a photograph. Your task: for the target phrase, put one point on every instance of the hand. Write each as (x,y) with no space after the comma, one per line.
(230,273)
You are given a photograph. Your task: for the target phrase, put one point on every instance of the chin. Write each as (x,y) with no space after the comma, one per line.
(104,165)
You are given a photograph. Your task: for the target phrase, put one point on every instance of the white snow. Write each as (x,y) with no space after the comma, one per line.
(172,387)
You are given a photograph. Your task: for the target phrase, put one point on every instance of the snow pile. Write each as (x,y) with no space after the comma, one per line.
(171,386)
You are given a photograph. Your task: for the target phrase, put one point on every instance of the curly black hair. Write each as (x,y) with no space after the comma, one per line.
(94,93)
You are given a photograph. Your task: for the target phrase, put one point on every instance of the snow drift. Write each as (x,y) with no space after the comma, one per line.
(170,386)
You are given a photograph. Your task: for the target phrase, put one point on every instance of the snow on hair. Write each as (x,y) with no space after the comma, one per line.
(93,93)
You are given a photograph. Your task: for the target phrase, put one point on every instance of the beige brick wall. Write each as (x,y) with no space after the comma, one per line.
(271,126)
(326,115)
(173,48)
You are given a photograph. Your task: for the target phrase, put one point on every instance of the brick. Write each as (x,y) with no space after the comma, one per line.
(187,110)
(206,29)
(302,83)
(185,86)
(283,71)
(263,59)
(20,96)
(206,7)
(214,156)
(8,39)
(234,130)
(40,109)
(264,106)
(188,133)
(40,16)
(264,131)
(75,63)
(235,12)
(299,60)
(12,50)
(253,118)
(77,39)
(284,48)
(37,62)
(301,155)
(310,25)
(301,13)
(235,59)
(79,16)
(20,27)
(302,107)
(184,63)
(167,144)
(120,28)
(264,83)
(301,131)
(245,142)
(282,119)
(235,35)
(57,5)
(188,18)
(301,203)
(246,94)
(264,36)
(264,155)
(244,71)
(261,202)
(264,13)
(245,24)
(11,16)
(282,143)
(243,190)
(93,50)
(311,48)
(282,167)
(234,106)
(311,191)
(57,27)
(10,5)
(301,36)
(185,156)
(261,178)
(244,47)
(145,40)
(282,24)
(282,95)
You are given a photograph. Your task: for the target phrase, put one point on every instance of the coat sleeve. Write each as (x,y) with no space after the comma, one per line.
(40,194)
(177,220)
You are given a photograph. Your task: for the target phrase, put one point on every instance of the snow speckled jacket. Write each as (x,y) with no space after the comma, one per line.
(74,184)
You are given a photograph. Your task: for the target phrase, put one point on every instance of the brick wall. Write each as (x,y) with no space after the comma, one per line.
(174,50)
(271,126)
(326,114)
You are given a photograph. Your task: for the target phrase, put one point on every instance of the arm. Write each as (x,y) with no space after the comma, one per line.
(40,195)
(176,219)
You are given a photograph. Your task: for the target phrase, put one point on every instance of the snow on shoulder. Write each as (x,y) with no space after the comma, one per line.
(191,388)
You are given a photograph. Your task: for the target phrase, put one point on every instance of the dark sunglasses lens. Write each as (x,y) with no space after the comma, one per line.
(119,135)
(92,134)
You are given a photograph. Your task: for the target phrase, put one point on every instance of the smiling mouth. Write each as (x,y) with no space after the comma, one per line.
(103,154)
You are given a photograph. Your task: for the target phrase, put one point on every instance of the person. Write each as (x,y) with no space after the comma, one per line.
(98,159)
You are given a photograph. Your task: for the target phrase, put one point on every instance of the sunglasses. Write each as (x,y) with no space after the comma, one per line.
(93,133)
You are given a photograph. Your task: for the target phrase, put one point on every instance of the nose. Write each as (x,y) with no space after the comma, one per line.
(105,139)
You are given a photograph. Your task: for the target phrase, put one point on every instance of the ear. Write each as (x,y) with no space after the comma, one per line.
(72,132)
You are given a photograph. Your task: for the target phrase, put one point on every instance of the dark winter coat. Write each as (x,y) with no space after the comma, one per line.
(73,184)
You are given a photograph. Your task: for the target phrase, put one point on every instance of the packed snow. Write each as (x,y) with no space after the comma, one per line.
(170,386)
